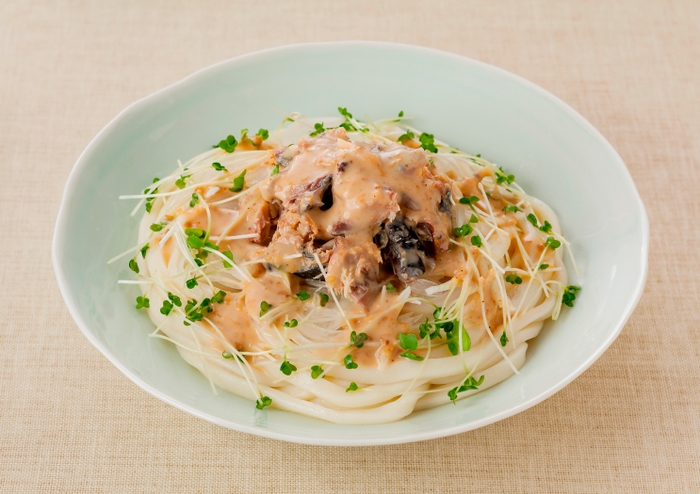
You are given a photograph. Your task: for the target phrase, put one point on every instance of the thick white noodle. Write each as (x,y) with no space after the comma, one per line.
(387,393)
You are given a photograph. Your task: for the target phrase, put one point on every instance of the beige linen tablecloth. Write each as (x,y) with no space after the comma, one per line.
(70,421)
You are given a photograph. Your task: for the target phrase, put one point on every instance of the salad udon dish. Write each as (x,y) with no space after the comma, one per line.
(353,272)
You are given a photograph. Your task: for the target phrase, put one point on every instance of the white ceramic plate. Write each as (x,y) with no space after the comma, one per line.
(555,154)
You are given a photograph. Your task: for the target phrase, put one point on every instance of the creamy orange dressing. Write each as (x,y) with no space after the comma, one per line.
(335,240)
(197,218)
(343,193)
(370,183)
(345,205)
(270,288)
(167,249)
(449,264)
(233,320)
(380,325)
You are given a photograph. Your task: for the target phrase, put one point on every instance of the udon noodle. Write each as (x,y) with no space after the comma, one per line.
(347,271)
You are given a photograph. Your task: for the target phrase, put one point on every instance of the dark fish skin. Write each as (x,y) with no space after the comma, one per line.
(313,194)
(445,205)
(310,272)
(402,249)
(327,198)
(381,239)
(310,268)
(408,249)
(424,232)
(284,156)
(409,203)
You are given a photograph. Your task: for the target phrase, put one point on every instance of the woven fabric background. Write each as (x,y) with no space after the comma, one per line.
(71,422)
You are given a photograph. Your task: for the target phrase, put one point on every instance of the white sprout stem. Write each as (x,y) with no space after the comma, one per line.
(172,193)
(185,251)
(488,331)
(239,360)
(127,252)
(277,311)
(206,208)
(225,259)
(164,239)
(331,291)
(488,204)
(240,194)
(421,368)
(493,263)
(236,237)
(529,283)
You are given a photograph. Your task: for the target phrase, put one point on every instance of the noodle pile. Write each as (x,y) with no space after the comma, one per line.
(284,278)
